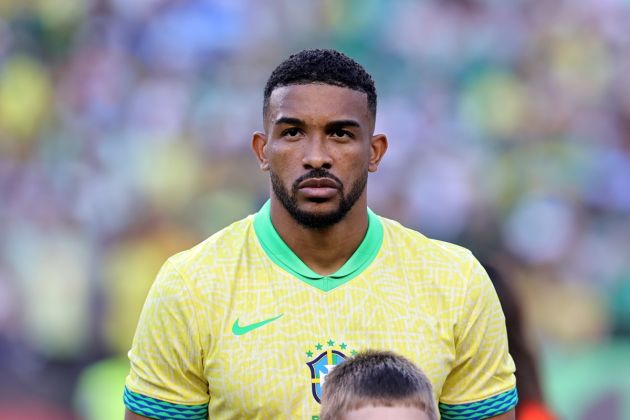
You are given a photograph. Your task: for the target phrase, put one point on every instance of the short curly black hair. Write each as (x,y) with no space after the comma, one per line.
(321,66)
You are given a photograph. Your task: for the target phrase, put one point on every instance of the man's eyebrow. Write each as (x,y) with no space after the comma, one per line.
(288,121)
(341,124)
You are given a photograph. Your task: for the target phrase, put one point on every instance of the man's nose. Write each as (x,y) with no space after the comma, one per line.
(316,154)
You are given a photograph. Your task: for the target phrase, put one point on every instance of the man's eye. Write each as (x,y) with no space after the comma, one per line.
(291,132)
(340,133)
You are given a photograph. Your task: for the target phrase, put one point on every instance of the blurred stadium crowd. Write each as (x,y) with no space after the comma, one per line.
(124,137)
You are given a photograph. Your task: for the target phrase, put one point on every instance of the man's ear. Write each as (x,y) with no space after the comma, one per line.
(378,147)
(259,145)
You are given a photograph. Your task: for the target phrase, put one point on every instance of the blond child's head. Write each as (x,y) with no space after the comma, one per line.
(377,384)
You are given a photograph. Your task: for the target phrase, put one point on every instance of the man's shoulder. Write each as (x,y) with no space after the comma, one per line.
(416,243)
(229,241)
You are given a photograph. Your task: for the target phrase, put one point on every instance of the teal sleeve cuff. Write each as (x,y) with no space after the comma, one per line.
(162,410)
(489,407)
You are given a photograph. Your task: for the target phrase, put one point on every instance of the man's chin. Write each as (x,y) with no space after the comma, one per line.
(319,208)
(317,216)
(319,205)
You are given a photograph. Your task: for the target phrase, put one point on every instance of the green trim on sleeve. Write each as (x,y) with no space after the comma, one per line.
(162,410)
(489,407)
(280,253)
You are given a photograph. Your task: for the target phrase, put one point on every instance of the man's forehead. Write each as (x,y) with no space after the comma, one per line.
(318,99)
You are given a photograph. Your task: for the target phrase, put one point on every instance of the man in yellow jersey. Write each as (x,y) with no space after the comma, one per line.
(248,323)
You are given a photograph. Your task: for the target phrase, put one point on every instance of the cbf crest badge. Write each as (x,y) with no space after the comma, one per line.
(323,358)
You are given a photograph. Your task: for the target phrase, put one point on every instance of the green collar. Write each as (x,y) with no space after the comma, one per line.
(280,253)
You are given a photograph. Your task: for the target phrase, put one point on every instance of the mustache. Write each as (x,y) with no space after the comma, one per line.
(317,173)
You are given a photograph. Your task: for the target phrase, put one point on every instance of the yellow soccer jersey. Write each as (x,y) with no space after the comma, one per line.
(239,328)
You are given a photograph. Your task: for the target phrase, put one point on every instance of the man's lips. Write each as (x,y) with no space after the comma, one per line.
(318,183)
(319,188)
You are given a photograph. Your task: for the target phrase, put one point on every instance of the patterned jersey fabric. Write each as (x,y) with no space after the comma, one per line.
(238,327)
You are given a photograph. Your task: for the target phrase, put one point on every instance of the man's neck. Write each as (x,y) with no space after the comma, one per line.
(323,250)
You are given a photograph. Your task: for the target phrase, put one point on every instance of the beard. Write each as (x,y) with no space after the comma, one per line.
(318,220)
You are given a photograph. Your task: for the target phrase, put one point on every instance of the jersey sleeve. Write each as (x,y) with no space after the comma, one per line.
(481,383)
(166,379)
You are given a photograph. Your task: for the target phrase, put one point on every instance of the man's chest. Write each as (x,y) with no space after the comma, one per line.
(272,347)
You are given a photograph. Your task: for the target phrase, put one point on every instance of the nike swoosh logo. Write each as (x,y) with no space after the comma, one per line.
(244,329)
